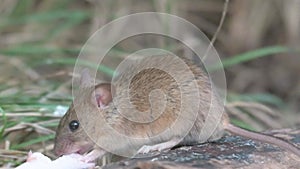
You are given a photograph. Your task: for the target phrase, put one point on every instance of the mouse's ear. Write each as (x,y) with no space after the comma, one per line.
(85,79)
(102,95)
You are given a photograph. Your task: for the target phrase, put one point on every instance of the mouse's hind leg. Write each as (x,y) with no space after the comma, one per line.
(158,147)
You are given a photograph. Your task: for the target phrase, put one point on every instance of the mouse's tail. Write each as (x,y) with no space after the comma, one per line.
(264,138)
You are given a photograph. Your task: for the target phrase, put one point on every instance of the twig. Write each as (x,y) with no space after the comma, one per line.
(253,105)
(259,111)
(29,114)
(37,128)
(225,8)
(240,115)
(29,72)
(264,118)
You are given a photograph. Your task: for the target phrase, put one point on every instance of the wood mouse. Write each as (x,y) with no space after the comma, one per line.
(144,102)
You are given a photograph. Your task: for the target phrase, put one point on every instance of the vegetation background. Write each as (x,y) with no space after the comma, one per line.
(40,41)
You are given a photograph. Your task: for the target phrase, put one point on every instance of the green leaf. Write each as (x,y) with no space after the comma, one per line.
(265,98)
(4,122)
(33,50)
(251,55)
(33,141)
(72,61)
(241,124)
(44,17)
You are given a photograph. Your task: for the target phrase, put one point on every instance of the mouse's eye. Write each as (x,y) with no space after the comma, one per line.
(73,125)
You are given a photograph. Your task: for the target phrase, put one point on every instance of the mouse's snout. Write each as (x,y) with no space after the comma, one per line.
(62,147)
(58,150)
(67,146)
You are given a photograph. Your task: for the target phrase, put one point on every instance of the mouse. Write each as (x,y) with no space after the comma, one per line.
(144,101)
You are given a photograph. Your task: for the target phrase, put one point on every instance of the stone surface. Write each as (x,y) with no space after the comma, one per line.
(229,152)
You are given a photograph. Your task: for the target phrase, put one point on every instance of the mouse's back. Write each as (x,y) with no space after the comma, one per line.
(156,94)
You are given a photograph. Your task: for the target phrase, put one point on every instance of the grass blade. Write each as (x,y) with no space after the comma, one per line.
(4,119)
(241,58)
(33,141)
(72,61)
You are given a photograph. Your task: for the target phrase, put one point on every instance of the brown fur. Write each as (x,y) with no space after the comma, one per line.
(147,88)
